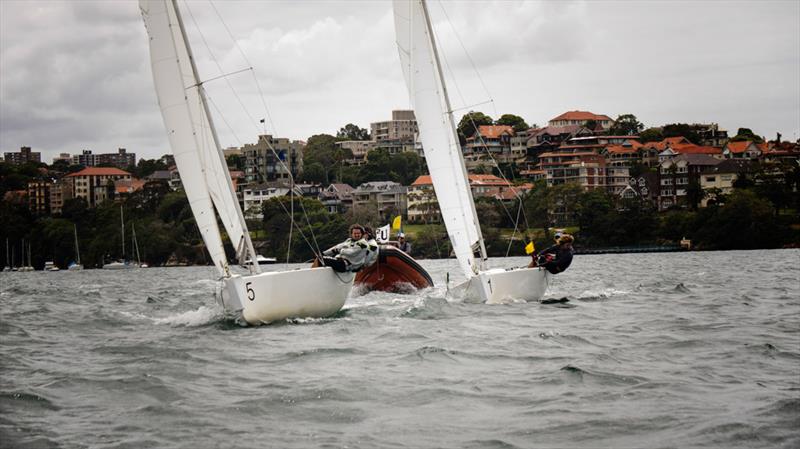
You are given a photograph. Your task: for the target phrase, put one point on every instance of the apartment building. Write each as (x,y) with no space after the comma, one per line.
(676,174)
(39,197)
(402,126)
(96,184)
(23,156)
(121,159)
(60,191)
(254,196)
(262,164)
(359,148)
(390,197)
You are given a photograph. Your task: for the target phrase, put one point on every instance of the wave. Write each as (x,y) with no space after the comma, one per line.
(602,378)
(193,318)
(28,399)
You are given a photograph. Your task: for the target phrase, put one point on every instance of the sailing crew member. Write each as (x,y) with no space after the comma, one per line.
(372,246)
(348,255)
(558,257)
(403,244)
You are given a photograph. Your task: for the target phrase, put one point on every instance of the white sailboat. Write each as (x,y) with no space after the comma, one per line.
(437,130)
(258,297)
(139,262)
(76,265)
(29,266)
(121,264)
(7,268)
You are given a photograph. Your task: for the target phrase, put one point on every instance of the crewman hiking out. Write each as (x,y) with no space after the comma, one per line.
(349,255)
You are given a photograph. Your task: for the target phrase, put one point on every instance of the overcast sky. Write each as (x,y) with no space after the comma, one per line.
(76,75)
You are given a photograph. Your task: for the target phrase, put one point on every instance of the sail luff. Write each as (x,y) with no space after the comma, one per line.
(454,130)
(219,184)
(437,132)
(168,55)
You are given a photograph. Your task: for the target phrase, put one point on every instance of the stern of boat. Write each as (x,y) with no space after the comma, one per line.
(500,286)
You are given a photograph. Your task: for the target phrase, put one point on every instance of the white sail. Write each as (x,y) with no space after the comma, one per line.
(170,60)
(255,298)
(437,131)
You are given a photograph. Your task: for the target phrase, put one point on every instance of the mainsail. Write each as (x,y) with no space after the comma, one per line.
(204,174)
(437,130)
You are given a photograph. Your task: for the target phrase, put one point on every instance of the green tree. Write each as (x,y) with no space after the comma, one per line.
(651,135)
(694,193)
(322,149)
(314,173)
(626,125)
(744,222)
(681,130)
(147,167)
(352,132)
(594,210)
(312,224)
(746,134)
(514,121)
(432,242)
(469,124)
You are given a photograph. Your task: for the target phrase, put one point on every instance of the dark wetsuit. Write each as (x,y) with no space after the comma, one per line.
(559,260)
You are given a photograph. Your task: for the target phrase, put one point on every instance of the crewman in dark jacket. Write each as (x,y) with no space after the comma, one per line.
(557,258)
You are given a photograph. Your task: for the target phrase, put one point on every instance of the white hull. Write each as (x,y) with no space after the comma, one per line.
(118,266)
(304,293)
(499,286)
(75,267)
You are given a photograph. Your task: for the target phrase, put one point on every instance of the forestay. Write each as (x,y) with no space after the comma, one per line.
(204,174)
(437,131)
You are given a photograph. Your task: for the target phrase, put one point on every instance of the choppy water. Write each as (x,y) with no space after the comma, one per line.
(652,350)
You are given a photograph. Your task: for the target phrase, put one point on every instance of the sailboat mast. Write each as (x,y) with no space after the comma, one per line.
(451,122)
(77,249)
(248,243)
(122,220)
(135,243)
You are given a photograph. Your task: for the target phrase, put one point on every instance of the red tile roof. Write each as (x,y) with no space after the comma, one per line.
(580,115)
(619,149)
(738,147)
(100,171)
(494,131)
(425,180)
(696,149)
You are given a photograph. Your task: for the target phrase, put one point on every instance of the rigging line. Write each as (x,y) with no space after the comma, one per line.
(247,61)
(466,53)
(291,225)
(269,116)
(224,120)
(292,183)
(224,75)
(219,67)
(283,206)
(513,234)
(471,106)
(486,90)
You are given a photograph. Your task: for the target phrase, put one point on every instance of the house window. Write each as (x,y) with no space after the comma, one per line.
(711,179)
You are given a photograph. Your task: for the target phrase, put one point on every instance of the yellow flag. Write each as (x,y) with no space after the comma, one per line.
(529,248)
(396,223)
